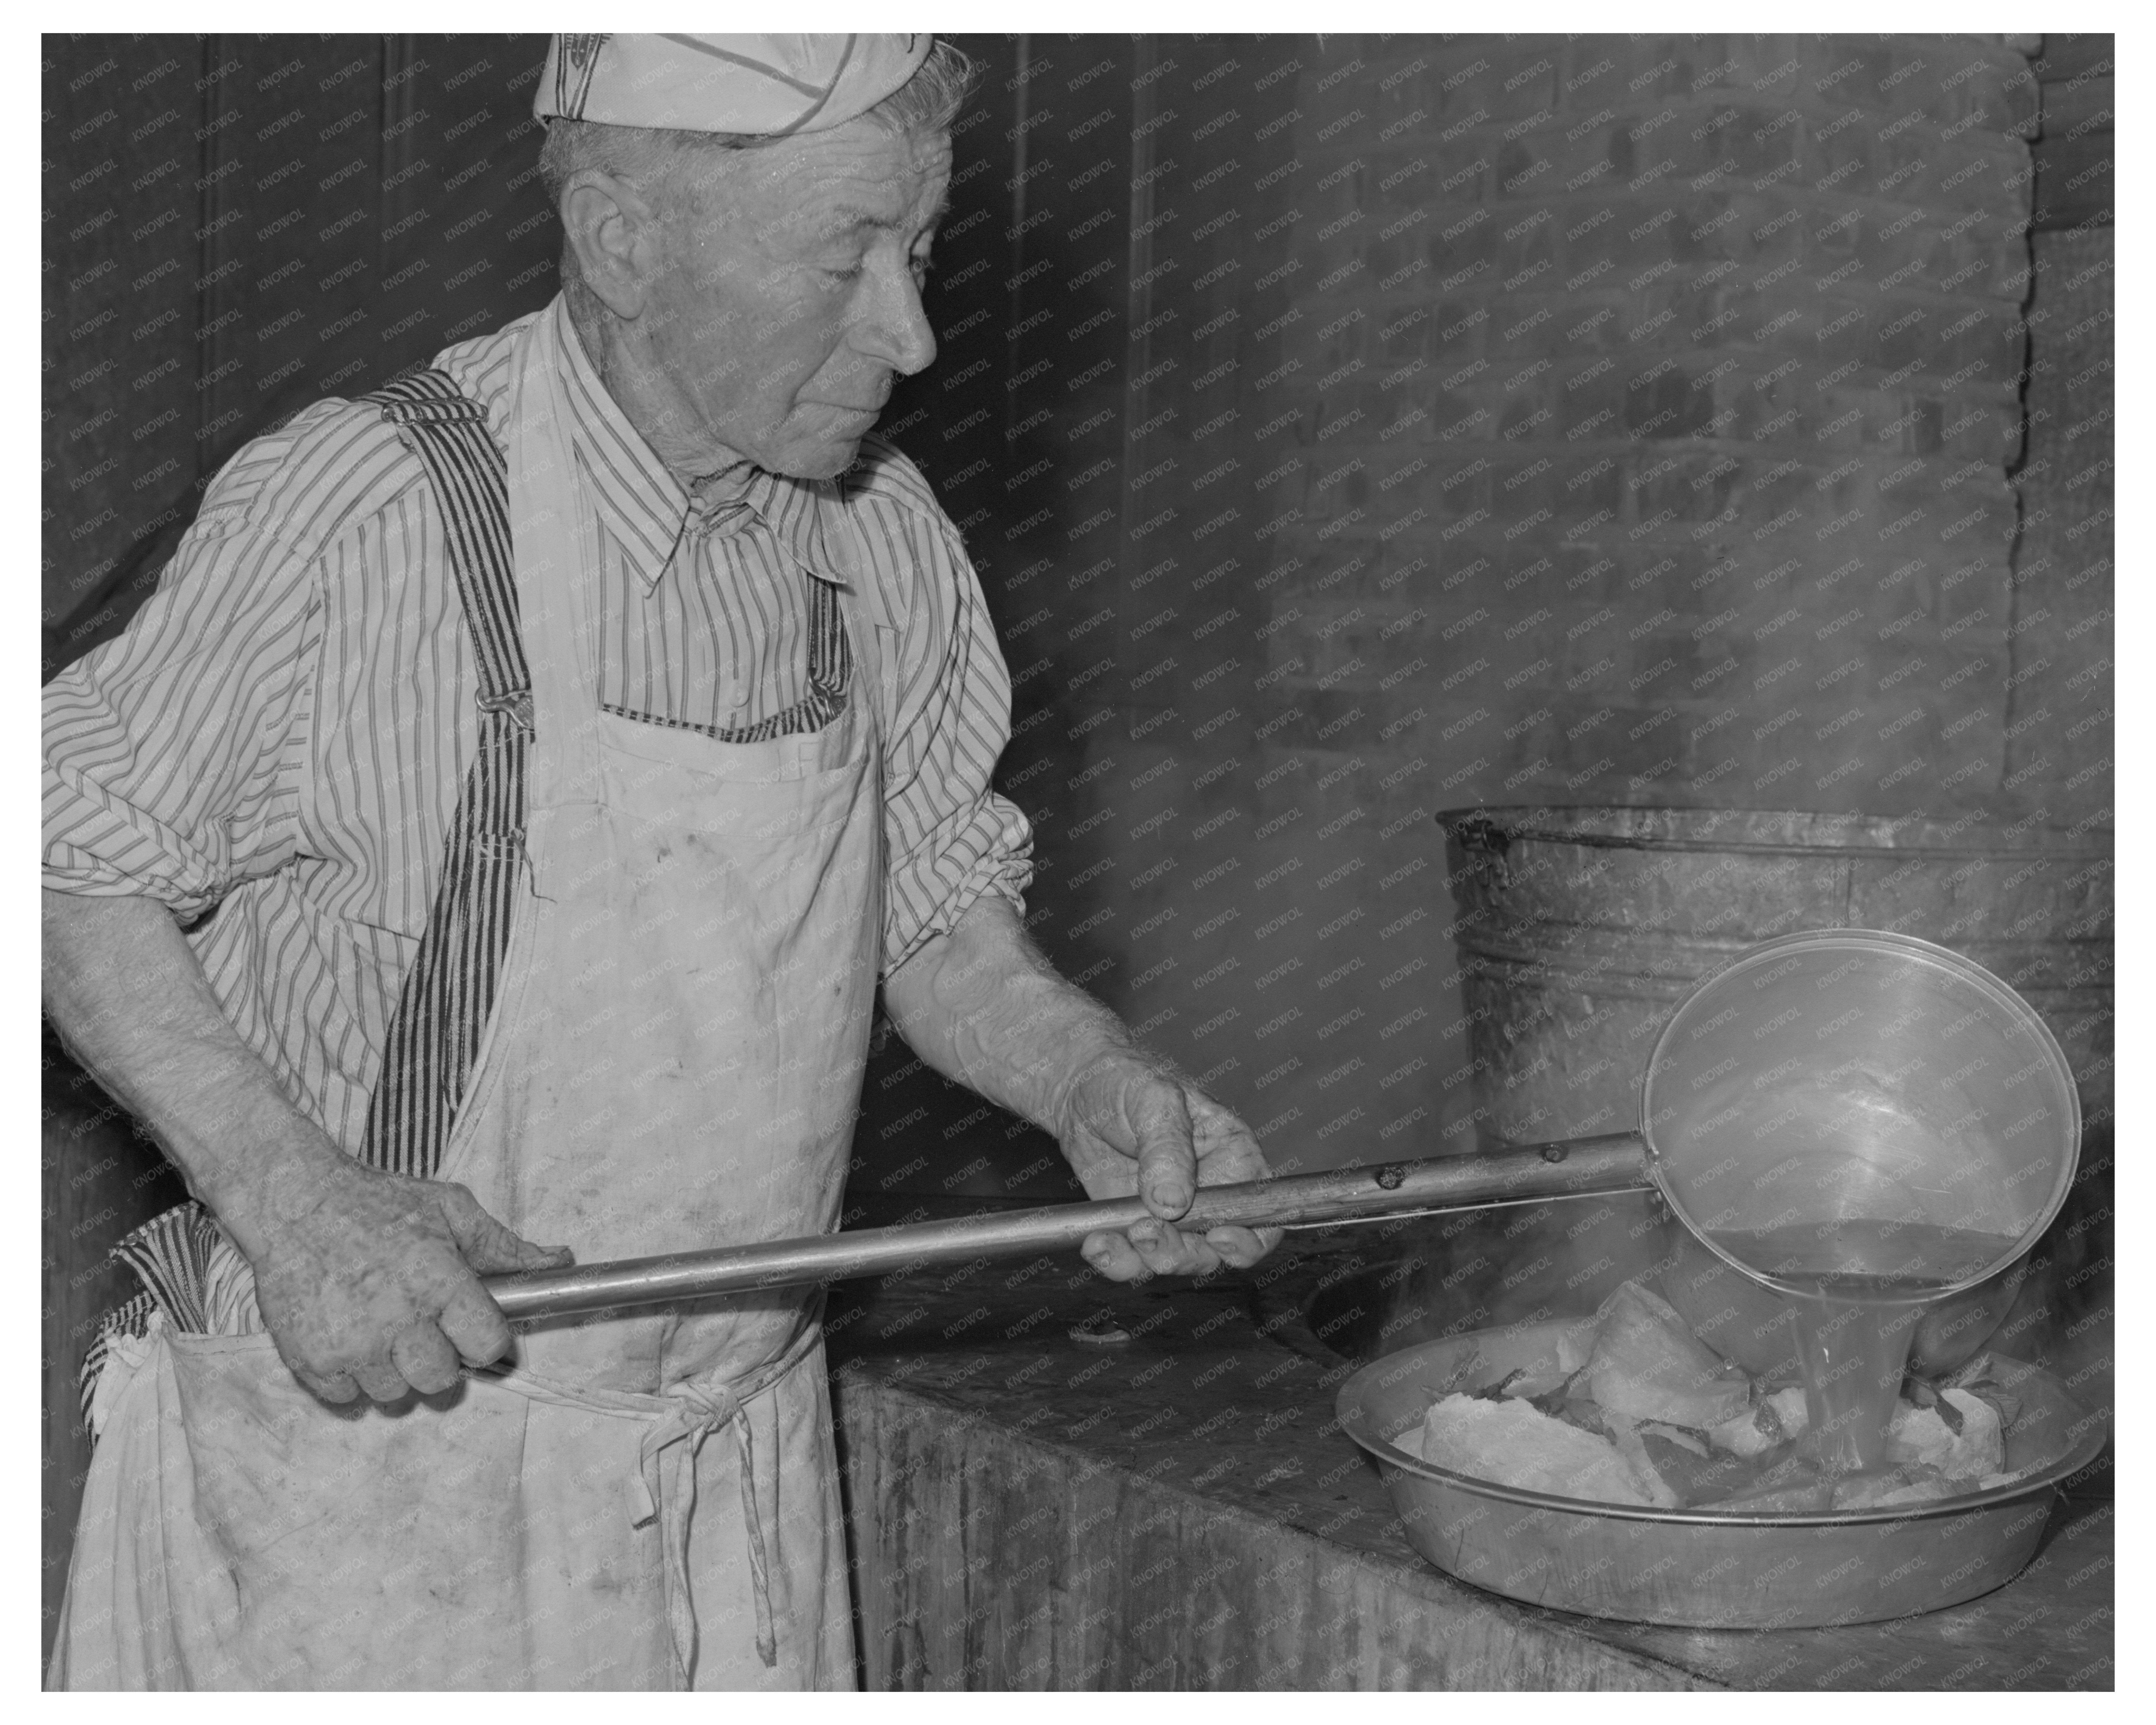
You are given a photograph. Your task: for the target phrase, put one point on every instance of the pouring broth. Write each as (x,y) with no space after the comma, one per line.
(1857,1288)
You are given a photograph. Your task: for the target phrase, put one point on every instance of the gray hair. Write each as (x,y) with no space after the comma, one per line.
(926,102)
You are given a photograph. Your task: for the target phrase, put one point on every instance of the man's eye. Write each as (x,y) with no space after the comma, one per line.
(850,272)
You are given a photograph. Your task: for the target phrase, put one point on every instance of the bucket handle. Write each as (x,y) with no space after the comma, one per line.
(1482,837)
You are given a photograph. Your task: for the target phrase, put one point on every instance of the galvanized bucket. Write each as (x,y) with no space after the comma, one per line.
(1581,928)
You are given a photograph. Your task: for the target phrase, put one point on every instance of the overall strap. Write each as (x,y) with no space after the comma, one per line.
(189,1272)
(449,993)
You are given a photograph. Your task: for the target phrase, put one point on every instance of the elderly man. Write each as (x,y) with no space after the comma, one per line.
(487,844)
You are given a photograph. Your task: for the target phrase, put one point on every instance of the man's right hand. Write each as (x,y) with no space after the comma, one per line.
(369,1282)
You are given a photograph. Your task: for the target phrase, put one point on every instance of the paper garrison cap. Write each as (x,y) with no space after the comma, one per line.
(763,86)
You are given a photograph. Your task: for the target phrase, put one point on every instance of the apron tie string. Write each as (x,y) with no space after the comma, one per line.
(666,1460)
(663,1488)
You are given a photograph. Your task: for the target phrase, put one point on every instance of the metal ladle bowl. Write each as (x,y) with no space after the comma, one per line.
(1852,1076)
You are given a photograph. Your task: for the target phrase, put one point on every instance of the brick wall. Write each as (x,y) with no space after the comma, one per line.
(1692,368)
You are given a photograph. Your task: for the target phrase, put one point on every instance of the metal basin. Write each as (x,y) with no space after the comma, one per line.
(1695,1567)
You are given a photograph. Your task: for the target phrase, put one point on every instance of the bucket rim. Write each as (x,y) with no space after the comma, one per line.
(1565,824)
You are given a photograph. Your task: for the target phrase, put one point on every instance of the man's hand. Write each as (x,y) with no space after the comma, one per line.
(370,1283)
(1131,1124)
(982,1005)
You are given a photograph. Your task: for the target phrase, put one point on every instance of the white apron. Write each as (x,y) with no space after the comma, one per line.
(673,1061)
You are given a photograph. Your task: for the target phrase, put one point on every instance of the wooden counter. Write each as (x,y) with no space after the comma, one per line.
(1177,1511)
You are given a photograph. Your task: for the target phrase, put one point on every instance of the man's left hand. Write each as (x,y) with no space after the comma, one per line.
(1130,1125)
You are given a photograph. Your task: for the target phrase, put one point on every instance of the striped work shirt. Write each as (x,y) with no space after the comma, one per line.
(275,746)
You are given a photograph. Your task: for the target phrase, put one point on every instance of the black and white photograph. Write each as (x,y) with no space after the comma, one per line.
(1079,862)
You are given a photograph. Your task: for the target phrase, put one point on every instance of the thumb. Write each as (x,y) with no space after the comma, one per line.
(488,1247)
(1167,1160)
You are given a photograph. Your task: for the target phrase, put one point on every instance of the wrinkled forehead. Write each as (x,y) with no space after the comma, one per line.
(858,175)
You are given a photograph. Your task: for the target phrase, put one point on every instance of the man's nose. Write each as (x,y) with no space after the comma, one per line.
(894,327)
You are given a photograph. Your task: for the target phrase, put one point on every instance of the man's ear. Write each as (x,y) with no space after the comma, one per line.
(609,225)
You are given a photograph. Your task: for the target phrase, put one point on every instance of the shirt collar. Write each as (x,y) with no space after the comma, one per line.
(645,509)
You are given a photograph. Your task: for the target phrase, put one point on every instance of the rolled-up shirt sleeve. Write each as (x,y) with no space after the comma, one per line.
(169,769)
(950,837)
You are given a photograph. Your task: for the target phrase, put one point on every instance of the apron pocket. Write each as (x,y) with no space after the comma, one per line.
(371,1548)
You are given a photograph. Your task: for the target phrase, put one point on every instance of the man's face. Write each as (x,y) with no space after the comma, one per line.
(788,300)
